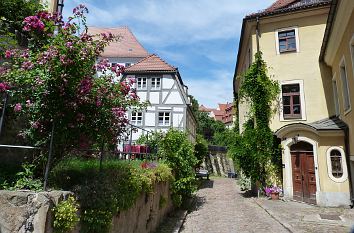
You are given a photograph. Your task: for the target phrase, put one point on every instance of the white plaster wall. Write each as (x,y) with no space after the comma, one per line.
(150,119)
(151,108)
(136,134)
(177,118)
(174,98)
(178,109)
(142,95)
(154,97)
(167,82)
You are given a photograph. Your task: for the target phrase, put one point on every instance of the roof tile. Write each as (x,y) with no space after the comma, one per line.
(151,63)
(126,46)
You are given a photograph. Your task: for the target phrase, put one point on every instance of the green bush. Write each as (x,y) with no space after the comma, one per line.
(103,193)
(65,215)
(200,149)
(24,180)
(179,155)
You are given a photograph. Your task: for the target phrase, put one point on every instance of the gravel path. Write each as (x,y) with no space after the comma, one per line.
(222,208)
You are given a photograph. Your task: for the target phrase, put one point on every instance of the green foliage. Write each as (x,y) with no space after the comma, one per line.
(24,180)
(12,13)
(65,215)
(152,140)
(179,155)
(200,149)
(257,148)
(103,193)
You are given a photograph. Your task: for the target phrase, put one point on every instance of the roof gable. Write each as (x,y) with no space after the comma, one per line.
(126,46)
(151,63)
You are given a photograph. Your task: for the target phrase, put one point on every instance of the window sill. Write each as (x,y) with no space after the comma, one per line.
(346,112)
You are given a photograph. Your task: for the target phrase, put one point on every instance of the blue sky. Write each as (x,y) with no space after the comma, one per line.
(200,37)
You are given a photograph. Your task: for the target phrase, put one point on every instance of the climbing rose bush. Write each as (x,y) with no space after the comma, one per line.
(55,82)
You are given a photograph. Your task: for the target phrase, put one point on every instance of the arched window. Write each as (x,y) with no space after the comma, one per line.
(336,163)
(337,167)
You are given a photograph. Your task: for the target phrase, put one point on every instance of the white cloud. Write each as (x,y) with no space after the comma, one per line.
(170,21)
(210,92)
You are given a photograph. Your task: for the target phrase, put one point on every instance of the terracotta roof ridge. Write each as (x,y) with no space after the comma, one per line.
(164,61)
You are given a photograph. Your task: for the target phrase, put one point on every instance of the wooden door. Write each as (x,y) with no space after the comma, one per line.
(304,179)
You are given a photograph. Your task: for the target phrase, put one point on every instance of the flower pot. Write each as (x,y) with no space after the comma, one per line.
(274,196)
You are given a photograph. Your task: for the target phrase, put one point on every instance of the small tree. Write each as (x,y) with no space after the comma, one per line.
(54,85)
(200,149)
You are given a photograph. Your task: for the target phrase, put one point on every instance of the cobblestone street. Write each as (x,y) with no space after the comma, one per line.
(222,208)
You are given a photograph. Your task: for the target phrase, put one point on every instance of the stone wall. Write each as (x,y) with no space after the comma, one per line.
(25,212)
(218,163)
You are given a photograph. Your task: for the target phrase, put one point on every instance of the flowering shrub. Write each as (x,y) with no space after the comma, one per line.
(272,189)
(55,82)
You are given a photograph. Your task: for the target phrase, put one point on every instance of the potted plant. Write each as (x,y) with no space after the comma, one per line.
(273,192)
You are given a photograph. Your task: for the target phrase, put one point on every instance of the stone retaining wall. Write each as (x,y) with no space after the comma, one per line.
(25,211)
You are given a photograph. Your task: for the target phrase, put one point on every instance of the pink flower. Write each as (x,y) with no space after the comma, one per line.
(118,112)
(8,54)
(28,103)
(36,125)
(27,65)
(4,87)
(18,107)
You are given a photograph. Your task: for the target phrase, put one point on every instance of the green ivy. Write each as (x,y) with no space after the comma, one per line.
(24,180)
(257,147)
(65,215)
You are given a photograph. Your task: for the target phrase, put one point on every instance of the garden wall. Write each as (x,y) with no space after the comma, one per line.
(24,211)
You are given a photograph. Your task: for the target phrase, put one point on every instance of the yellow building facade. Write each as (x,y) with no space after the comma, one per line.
(289,34)
(337,63)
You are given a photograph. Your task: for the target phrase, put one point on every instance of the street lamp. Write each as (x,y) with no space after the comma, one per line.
(60,6)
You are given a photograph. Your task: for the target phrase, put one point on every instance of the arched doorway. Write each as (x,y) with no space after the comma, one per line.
(303,169)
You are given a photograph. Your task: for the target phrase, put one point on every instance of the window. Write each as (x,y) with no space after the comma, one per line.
(137,118)
(287,41)
(164,119)
(291,101)
(335,95)
(127,64)
(345,87)
(141,83)
(113,64)
(336,164)
(155,83)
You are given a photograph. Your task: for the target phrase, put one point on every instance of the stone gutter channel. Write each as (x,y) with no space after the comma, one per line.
(272,215)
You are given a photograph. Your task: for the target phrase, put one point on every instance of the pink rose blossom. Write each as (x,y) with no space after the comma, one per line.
(18,107)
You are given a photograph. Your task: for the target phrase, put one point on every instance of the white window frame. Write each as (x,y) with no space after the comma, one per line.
(302,99)
(351,46)
(335,95)
(344,165)
(341,65)
(136,118)
(164,121)
(154,82)
(296,39)
(140,83)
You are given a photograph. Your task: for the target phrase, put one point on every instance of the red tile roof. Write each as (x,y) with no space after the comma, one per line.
(282,6)
(126,46)
(279,4)
(151,63)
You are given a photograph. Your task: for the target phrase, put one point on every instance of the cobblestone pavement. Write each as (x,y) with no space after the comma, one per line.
(222,208)
(301,217)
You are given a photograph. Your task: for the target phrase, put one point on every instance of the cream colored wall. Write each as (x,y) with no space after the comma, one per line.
(344,51)
(327,184)
(50,4)
(303,65)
